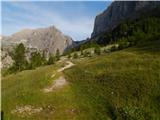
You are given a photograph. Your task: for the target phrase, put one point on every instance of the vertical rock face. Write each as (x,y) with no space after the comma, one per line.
(119,11)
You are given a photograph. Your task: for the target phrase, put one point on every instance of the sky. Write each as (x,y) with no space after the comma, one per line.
(75,18)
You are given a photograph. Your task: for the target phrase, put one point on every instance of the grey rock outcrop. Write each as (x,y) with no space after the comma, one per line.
(49,39)
(119,11)
(43,39)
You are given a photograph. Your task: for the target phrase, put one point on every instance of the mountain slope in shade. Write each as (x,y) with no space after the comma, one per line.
(119,11)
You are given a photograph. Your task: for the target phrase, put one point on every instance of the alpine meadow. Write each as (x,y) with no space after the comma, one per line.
(80,60)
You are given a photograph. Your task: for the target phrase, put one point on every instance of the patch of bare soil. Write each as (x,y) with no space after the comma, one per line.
(69,64)
(61,81)
(26,110)
(58,83)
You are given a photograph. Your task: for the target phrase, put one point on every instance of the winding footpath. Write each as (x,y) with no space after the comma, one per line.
(61,81)
(27,110)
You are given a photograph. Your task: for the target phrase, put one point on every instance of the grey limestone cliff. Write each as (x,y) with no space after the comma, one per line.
(119,11)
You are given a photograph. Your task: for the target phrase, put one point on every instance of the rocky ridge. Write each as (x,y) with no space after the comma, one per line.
(48,40)
(119,11)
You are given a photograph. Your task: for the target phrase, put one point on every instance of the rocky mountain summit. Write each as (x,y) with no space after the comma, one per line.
(119,11)
(48,40)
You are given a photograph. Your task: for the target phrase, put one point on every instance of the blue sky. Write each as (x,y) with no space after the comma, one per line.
(75,19)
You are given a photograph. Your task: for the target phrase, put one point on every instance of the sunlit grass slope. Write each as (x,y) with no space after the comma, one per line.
(123,85)
(26,88)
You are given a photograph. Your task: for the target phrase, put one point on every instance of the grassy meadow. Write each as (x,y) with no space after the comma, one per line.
(26,88)
(121,85)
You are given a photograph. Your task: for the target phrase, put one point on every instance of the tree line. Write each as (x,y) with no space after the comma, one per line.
(36,59)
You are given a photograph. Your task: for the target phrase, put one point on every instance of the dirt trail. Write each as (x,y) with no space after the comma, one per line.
(69,64)
(61,81)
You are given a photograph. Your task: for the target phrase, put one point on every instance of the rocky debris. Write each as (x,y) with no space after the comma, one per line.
(119,11)
(49,109)
(53,75)
(6,59)
(28,110)
(72,111)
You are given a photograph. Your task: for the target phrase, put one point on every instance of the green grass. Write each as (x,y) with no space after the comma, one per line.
(25,88)
(122,85)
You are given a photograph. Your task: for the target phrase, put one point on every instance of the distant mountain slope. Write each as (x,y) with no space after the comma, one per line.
(47,39)
(119,11)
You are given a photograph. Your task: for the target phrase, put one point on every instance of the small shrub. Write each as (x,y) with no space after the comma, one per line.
(106,51)
(36,59)
(82,53)
(123,45)
(69,55)
(75,55)
(85,54)
(51,60)
(113,48)
(97,50)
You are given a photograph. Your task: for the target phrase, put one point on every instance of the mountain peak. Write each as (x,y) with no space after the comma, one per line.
(49,39)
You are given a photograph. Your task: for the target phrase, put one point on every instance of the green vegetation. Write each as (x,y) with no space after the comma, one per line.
(86,53)
(120,82)
(97,50)
(127,34)
(37,59)
(90,44)
(57,54)
(75,55)
(18,55)
(113,48)
(51,60)
(26,88)
(115,86)
(69,55)
(123,85)
(82,52)
(132,32)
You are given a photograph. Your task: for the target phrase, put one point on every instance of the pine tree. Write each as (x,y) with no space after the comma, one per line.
(51,60)
(44,61)
(57,54)
(18,55)
(36,59)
